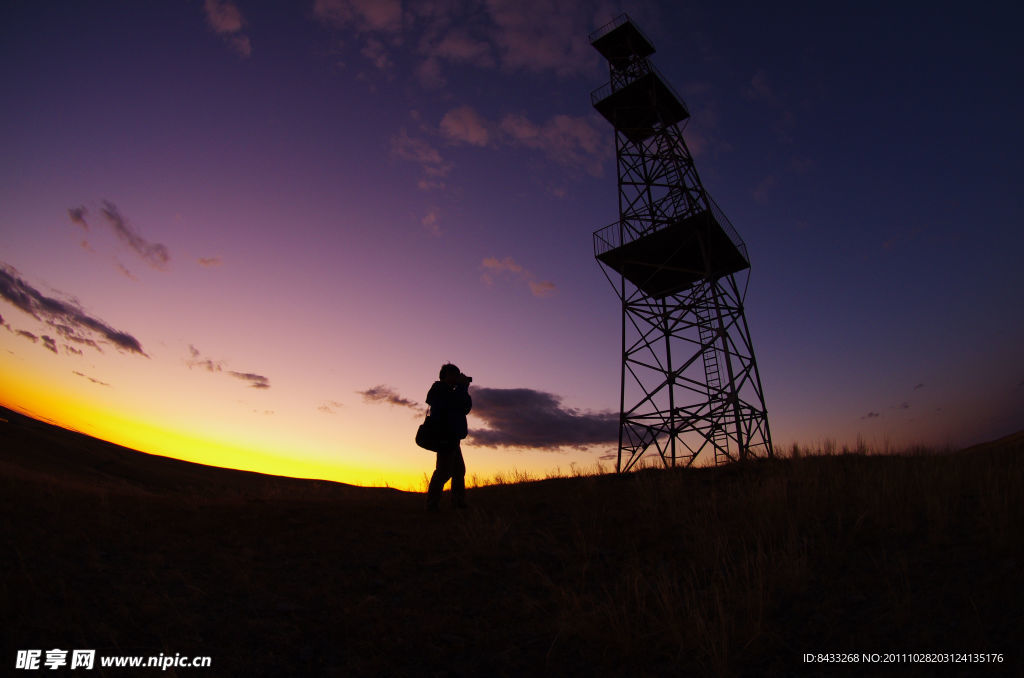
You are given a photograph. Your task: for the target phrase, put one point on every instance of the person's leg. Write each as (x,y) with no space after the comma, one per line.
(458,473)
(442,472)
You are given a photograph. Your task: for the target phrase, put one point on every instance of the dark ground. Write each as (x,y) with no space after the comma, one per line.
(731,571)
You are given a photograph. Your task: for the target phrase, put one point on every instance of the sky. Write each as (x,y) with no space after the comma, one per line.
(248,234)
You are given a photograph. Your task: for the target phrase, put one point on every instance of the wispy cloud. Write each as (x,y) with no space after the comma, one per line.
(70,321)
(514,35)
(419,151)
(92,379)
(523,417)
(196,359)
(430,222)
(465,125)
(538,35)
(77,216)
(387,395)
(210,262)
(381,16)
(154,254)
(509,267)
(254,380)
(226,20)
(25,334)
(572,141)
(330,407)
(871,415)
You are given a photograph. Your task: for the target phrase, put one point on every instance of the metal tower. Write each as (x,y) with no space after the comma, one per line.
(689,379)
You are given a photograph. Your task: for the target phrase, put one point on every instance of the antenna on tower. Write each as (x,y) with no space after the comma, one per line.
(689,381)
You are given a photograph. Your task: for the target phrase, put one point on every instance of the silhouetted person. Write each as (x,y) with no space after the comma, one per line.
(449,403)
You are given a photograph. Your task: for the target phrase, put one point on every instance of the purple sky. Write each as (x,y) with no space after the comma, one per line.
(266,225)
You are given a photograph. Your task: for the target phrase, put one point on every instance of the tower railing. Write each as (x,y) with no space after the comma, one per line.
(617,234)
(611,26)
(637,70)
(729,229)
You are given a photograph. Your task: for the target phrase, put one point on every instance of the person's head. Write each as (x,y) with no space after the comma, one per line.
(450,373)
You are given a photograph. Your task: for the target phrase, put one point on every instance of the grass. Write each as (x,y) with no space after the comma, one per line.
(731,571)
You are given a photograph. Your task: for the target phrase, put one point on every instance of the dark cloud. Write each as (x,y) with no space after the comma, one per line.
(28,335)
(523,417)
(870,415)
(77,215)
(95,381)
(155,254)
(58,314)
(70,334)
(197,360)
(217,366)
(386,394)
(255,380)
(50,343)
(919,386)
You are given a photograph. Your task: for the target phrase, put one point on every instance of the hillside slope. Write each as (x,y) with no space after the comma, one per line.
(732,571)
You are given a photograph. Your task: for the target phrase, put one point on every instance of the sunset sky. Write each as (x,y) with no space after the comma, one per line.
(249,233)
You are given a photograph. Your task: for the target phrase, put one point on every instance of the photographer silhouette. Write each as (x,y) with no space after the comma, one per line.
(449,403)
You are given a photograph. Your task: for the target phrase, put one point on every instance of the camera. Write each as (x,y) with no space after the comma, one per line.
(466,379)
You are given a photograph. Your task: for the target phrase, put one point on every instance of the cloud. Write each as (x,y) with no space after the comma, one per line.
(70,321)
(254,380)
(523,417)
(870,415)
(380,16)
(493,266)
(154,254)
(515,35)
(27,335)
(500,265)
(210,262)
(542,289)
(196,359)
(330,407)
(434,166)
(226,20)
(50,343)
(568,140)
(377,53)
(459,47)
(77,215)
(387,395)
(539,35)
(919,386)
(465,125)
(430,222)
(125,272)
(95,381)
(71,334)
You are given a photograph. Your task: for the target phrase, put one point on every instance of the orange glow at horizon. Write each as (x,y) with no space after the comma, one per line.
(212,449)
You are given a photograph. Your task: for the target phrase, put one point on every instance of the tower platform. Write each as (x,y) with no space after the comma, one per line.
(621,40)
(674,258)
(640,107)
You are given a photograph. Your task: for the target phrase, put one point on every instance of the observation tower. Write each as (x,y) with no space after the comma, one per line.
(690,384)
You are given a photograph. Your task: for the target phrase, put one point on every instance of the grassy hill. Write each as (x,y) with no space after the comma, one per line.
(731,571)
